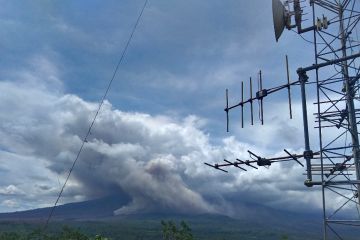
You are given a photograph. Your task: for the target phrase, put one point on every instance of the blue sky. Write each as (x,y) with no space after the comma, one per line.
(164,114)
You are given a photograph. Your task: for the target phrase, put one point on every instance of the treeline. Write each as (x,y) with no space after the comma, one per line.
(170,231)
(67,233)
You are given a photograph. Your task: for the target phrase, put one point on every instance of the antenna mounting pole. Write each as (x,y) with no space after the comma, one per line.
(308,154)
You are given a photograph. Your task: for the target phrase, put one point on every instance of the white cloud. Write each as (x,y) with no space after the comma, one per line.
(10,203)
(157,160)
(11,190)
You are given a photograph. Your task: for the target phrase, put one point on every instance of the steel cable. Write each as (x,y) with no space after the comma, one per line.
(97,113)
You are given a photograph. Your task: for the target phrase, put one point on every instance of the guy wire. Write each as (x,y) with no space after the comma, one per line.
(97,113)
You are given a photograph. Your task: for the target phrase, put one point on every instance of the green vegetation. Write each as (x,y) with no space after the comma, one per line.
(171,232)
(204,228)
(66,233)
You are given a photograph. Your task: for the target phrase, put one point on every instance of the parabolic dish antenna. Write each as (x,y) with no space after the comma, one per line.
(280,17)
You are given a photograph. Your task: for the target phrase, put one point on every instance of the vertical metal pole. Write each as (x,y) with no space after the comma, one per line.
(320,129)
(251,103)
(242,104)
(288,81)
(307,154)
(261,102)
(227,110)
(349,87)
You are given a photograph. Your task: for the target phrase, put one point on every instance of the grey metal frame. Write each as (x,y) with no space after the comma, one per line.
(337,116)
(335,76)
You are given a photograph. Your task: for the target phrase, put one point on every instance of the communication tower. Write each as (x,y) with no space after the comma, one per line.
(333,163)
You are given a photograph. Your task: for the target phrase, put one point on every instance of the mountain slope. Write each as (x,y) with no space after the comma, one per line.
(103,209)
(87,210)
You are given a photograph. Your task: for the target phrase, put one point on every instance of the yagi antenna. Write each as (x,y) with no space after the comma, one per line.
(247,162)
(236,164)
(216,166)
(260,161)
(294,157)
(259,96)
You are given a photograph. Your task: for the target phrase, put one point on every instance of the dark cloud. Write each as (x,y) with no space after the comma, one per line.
(56,57)
(188,48)
(156,160)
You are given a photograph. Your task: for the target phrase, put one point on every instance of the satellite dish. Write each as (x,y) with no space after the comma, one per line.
(280,17)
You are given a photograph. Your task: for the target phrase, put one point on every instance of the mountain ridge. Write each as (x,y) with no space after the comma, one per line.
(103,209)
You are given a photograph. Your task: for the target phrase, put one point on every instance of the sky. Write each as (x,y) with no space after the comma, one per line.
(163,117)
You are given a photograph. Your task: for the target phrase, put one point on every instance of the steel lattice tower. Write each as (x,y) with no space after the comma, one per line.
(333,81)
(336,66)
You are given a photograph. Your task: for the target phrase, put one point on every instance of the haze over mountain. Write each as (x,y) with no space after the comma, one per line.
(96,215)
(104,209)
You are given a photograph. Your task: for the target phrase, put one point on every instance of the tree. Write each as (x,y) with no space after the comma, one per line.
(98,237)
(9,236)
(67,233)
(171,232)
(72,234)
(284,237)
